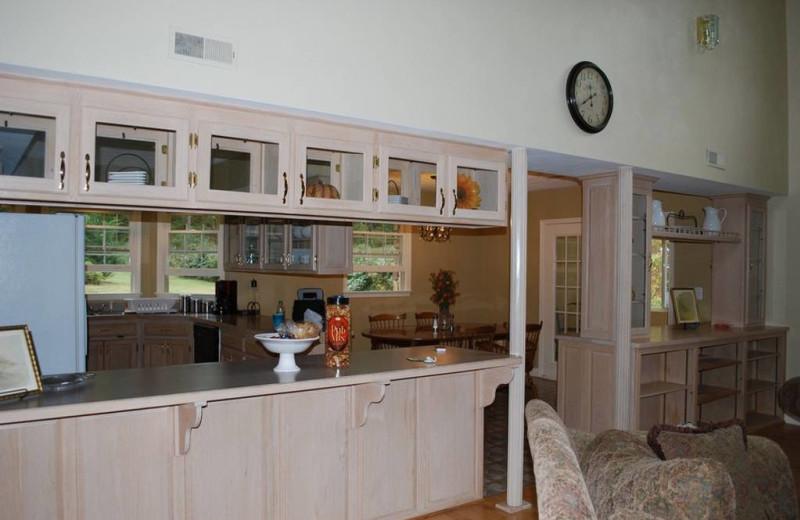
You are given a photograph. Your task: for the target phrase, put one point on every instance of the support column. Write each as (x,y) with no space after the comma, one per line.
(623,358)
(516,328)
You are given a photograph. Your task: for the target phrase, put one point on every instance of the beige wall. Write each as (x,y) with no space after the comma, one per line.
(481,69)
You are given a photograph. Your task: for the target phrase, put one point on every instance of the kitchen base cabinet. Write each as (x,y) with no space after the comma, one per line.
(397,444)
(166,342)
(112,345)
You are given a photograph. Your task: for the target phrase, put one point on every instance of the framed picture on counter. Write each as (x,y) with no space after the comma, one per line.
(19,368)
(684,303)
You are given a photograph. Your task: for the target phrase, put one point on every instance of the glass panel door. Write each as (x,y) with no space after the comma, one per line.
(274,244)
(568,284)
(301,246)
(134,155)
(333,175)
(640,275)
(477,189)
(33,146)
(242,165)
(755,267)
(412,183)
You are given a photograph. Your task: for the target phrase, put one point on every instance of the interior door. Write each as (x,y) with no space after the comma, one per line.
(559,289)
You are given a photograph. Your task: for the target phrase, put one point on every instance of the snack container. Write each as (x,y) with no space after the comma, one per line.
(337,338)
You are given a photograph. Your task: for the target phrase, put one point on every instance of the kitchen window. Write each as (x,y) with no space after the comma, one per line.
(190,255)
(112,253)
(381,260)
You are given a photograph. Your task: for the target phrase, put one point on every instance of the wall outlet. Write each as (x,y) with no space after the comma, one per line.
(698,292)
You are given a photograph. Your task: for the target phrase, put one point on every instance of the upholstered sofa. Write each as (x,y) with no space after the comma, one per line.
(616,475)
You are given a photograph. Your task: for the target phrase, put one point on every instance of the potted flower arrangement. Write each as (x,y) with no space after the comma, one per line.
(444,285)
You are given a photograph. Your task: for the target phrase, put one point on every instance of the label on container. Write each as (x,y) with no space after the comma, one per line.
(338,333)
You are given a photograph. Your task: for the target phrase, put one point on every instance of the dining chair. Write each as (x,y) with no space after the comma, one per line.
(425,319)
(387,321)
(481,338)
(532,331)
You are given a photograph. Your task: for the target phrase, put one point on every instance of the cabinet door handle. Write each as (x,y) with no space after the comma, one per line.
(302,188)
(455,201)
(88,172)
(62,171)
(285,186)
(441,209)
(316,259)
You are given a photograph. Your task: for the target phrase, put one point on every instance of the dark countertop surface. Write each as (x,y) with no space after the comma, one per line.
(119,390)
(247,324)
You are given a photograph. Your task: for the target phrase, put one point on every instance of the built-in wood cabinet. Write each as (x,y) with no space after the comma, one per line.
(739,268)
(166,342)
(105,147)
(268,245)
(112,345)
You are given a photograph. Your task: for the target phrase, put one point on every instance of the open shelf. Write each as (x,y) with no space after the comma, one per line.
(758,385)
(708,393)
(660,388)
(755,355)
(710,363)
(693,234)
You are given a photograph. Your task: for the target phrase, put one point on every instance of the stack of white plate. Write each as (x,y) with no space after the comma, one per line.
(128,177)
(398,199)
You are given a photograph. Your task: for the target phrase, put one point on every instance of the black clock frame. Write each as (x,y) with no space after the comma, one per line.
(572,103)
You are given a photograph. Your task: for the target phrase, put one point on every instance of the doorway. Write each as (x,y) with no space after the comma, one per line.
(559,289)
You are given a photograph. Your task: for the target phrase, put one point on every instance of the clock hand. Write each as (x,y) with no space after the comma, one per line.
(589,99)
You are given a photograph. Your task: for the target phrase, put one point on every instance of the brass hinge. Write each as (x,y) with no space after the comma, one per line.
(164,149)
(338,168)
(194,140)
(374,194)
(192,179)
(376,161)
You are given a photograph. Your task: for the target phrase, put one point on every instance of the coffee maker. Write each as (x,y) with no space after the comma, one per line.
(225,297)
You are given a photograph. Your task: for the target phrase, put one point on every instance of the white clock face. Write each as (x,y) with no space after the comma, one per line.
(591,97)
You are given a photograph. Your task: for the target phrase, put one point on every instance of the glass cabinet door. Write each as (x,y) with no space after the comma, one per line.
(333,175)
(274,245)
(411,183)
(640,274)
(242,165)
(477,189)
(34,154)
(133,155)
(301,253)
(756,279)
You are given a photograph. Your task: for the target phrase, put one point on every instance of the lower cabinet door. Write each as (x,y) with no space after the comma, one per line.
(119,354)
(156,354)
(127,466)
(94,356)
(180,351)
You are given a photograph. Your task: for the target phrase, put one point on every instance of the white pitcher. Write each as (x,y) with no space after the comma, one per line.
(712,221)
(659,219)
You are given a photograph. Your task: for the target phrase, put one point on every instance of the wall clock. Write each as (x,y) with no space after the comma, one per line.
(589,97)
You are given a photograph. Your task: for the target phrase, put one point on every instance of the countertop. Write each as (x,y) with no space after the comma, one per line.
(120,390)
(669,335)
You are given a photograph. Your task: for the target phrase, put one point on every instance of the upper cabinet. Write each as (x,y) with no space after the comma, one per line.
(101,147)
(640,255)
(34,141)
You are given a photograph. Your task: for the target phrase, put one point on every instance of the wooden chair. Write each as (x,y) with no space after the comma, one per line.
(386,321)
(532,331)
(425,319)
(481,338)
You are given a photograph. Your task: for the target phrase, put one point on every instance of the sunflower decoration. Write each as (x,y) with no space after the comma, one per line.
(468,192)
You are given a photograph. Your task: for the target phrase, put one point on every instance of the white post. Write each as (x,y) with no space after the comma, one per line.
(623,365)
(516,328)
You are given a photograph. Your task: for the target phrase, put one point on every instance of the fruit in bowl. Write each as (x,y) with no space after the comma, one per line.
(286,348)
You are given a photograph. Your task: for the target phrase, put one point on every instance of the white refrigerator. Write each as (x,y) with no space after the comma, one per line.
(41,286)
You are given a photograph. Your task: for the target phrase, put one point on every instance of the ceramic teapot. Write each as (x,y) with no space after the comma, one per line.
(659,219)
(712,220)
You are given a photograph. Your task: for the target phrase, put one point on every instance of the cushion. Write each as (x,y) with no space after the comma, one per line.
(724,443)
(624,476)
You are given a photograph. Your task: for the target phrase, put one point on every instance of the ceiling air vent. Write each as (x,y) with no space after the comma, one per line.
(202,49)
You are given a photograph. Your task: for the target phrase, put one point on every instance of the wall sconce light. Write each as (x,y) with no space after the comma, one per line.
(708,31)
(434,233)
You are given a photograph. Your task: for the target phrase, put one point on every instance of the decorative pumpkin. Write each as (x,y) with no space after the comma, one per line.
(323,191)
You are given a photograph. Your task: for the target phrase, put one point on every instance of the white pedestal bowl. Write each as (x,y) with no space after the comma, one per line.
(285,348)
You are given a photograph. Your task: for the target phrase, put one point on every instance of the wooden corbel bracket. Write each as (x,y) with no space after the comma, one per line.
(187,418)
(363,396)
(488,382)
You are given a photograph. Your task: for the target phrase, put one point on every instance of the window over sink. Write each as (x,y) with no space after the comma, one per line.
(112,253)
(381,260)
(190,253)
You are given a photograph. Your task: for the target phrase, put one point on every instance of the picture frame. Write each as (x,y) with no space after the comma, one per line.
(19,367)
(684,305)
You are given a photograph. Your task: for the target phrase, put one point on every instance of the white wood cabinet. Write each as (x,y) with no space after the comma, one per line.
(267,245)
(105,147)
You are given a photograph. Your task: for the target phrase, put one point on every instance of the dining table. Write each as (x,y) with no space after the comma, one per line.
(411,336)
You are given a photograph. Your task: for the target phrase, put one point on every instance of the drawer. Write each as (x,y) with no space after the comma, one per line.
(112,329)
(166,328)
